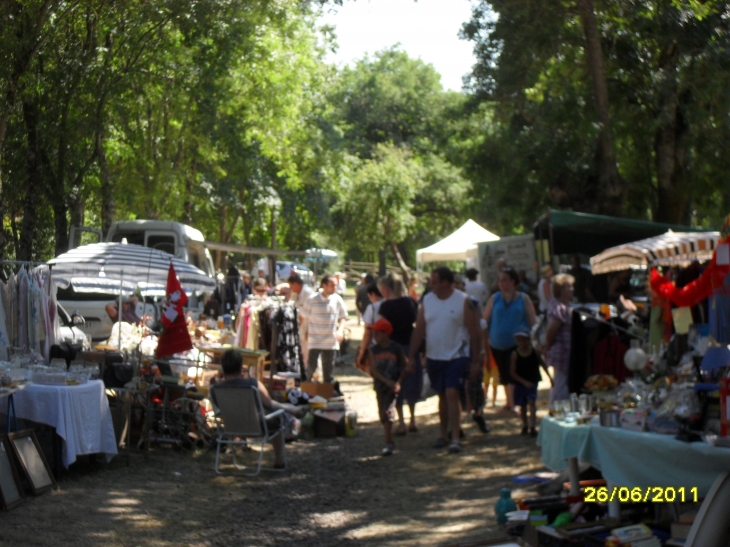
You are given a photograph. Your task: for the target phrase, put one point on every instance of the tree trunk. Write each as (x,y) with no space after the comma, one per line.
(670,151)
(222,217)
(381,261)
(402,263)
(24,249)
(108,206)
(272,258)
(188,205)
(28,45)
(611,189)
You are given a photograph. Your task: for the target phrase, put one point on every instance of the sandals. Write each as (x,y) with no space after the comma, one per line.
(401,431)
(412,429)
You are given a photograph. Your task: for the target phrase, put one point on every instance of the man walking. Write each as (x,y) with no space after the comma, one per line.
(324,317)
(450,324)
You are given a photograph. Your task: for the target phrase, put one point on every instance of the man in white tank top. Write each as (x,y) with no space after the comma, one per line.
(450,325)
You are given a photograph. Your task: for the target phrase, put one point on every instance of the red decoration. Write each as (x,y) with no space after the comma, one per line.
(693,293)
(175,337)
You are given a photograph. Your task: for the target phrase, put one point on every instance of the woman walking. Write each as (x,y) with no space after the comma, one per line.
(400,309)
(507,312)
(557,335)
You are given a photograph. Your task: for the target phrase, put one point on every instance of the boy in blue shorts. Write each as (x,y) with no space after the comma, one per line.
(525,370)
(387,367)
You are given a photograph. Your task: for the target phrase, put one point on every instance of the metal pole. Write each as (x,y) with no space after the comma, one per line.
(119,311)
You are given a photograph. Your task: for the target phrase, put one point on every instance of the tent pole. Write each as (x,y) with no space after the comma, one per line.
(119,311)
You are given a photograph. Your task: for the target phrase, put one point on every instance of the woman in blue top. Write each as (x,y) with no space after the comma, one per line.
(507,312)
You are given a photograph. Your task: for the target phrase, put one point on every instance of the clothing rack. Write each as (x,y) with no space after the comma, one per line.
(23,262)
(592,315)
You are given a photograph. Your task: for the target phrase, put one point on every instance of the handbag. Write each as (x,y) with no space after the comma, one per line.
(117,374)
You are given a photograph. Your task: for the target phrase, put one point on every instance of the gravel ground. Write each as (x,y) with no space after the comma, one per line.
(336,491)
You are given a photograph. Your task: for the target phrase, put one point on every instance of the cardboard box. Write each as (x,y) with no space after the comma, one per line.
(323,390)
(329,423)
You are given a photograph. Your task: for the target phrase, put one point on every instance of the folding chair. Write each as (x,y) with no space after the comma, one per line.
(241,421)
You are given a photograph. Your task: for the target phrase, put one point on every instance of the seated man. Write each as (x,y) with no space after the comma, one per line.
(129,310)
(232,364)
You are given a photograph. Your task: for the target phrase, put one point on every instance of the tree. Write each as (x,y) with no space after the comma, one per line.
(379,198)
(664,65)
(387,103)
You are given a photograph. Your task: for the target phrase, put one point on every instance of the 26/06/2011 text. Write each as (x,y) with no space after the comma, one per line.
(636,494)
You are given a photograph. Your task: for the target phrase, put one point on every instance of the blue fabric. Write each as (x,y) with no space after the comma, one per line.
(719,314)
(506,320)
(560,441)
(524,394)
(412,384)
(447,374)
(633,458)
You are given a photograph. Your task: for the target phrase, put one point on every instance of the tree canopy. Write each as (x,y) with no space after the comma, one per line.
(225,115)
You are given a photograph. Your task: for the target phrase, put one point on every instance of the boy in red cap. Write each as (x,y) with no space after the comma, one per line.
(387,367)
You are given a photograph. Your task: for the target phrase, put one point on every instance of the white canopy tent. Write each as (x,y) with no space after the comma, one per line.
(458,246)
(665,249)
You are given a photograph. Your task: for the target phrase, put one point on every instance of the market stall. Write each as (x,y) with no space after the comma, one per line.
(459,245)
(650,417)
(668,249)
(79,414)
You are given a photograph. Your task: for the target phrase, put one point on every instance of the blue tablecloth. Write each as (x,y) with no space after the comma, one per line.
(633,458)
(560,441)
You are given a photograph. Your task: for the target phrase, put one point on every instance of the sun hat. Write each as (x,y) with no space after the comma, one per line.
(382,325)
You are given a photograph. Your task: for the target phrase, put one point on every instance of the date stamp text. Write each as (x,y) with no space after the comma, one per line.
(637,494)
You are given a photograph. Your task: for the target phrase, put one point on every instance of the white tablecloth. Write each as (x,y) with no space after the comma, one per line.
(80,415)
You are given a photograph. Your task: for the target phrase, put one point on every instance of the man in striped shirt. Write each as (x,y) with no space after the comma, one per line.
(324,316)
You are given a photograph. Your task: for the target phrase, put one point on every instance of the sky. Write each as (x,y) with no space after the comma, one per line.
(426,30)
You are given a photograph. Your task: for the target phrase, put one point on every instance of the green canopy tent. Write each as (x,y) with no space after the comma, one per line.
(566,232)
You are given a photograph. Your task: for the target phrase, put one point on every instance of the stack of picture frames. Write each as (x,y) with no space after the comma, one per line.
(23,469)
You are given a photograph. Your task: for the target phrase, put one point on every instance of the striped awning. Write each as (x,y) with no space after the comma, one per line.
(671,248)
(126,263)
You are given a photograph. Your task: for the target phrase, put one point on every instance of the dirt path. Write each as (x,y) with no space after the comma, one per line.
(336,492)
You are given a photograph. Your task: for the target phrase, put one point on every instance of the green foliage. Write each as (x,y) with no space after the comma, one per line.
(379,199)
(394,120)
(666,67)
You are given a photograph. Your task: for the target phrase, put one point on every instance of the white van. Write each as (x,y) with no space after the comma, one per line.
(174,238)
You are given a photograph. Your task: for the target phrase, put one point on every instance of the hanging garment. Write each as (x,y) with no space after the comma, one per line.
(243,321)
(4,338)
(23,309)
(608,357)
(34,316)
(5,295)
(13,291)
(252,339)
(46,326)
(289,350)
(53,316)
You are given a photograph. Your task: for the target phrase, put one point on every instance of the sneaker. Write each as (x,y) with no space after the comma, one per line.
(388,449)
(462,435)
(481,423)
(533,432)
(441,443)
(524,431)
(455,447)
